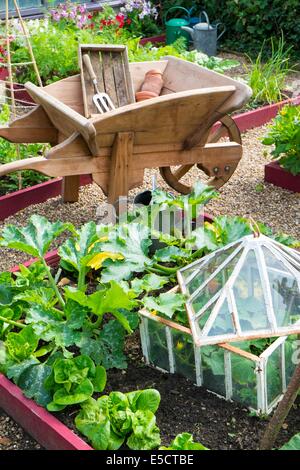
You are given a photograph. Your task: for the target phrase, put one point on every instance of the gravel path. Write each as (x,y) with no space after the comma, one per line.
(13,437)
(245,194)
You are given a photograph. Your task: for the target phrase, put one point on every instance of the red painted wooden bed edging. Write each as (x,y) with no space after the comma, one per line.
(37,421)
(278,176)
(12,203)
(259,117)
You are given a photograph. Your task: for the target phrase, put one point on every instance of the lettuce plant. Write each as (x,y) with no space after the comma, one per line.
(292,444)
(121,417)
(184,441)
(74,381)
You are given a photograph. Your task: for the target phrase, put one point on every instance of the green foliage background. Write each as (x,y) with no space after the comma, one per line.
(249,23)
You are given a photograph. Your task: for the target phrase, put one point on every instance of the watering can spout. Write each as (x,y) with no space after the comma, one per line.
(189,30)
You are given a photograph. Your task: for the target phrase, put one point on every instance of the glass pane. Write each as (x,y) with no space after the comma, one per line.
(292,356)
(158,349)
(285,291)
(183,350)
(223,323)
(202,319)
(208,269)
(294,255)
(212,362)
(274,376)
(244,380)
(197,305)
(249,296)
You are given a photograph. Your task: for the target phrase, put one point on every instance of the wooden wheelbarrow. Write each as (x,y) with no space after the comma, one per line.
(173,132)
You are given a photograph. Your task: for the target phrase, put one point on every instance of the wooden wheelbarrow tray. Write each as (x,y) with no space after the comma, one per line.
(174,129)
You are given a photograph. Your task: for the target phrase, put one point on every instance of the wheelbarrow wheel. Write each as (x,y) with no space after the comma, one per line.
(177,177)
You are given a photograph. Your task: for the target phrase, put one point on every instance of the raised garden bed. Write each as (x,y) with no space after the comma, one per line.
(207,409)
(20,94)
(161,38)
(278,176)
(260,116)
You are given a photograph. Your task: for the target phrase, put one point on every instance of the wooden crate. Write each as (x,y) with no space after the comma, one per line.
(111,67)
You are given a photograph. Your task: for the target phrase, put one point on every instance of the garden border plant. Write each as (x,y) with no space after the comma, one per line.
(284,135)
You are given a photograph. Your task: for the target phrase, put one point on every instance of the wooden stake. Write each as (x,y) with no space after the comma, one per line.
(25,32)
(11,85)
(268,440)
(9,67)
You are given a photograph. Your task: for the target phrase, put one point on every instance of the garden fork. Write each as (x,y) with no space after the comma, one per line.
(102,101)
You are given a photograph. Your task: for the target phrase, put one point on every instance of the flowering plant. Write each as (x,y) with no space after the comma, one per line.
(118,22)
(109,25)
(142,15)
(70,14)
(3,51)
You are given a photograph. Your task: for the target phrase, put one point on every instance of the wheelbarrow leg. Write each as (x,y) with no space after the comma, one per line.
(121,157)
(70,188)
(70,184)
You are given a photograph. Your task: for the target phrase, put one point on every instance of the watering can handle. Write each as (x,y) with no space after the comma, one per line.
(222,32)
(206,17)
(176,8)
(191,10)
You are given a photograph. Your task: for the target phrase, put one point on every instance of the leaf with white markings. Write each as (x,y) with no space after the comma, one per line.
(35,238)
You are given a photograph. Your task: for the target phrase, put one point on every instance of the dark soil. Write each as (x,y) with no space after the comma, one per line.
(216,423)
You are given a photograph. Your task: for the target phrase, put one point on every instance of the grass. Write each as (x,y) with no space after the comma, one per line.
(267,79)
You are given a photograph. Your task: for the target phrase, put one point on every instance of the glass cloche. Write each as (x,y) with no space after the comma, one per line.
(248,289)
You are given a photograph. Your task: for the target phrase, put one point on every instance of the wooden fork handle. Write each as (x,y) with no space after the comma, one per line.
(87,62)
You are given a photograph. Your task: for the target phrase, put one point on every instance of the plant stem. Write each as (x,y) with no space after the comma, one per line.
(53,284)
(165,269)
(154,271)
(81,279)
(11,322)
(197,254)
(53,351)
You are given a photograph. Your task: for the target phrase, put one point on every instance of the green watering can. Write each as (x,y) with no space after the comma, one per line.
(173,26)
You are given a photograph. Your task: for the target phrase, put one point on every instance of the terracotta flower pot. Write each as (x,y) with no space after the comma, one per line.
(152,85)
(153,82)
(144,95)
